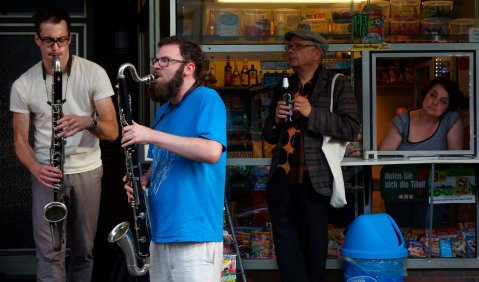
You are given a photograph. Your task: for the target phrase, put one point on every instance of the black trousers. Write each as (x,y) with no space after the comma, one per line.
(300,229)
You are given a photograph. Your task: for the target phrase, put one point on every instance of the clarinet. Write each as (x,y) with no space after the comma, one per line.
(55,212)
(134,247)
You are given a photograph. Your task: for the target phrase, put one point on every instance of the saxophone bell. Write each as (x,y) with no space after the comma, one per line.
(122,235)
(55,213)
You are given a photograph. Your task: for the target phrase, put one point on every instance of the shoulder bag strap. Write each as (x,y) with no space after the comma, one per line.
(333,82)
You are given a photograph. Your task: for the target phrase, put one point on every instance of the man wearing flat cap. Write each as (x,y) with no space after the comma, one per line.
(299,190)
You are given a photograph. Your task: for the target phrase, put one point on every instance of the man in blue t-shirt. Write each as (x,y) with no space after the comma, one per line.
(187,176)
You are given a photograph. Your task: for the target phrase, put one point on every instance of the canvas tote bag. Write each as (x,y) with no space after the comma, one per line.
(334,151)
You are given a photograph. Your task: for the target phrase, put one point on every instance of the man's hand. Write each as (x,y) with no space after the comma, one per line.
(282,111)
(135,134)
(129,189)
(302,105)
(68,125)
(46,174)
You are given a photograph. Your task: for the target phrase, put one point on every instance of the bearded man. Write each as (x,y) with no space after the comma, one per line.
(186,179)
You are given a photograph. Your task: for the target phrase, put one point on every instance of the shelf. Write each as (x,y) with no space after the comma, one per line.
(412,263)
(362,162)
(332,38)
(271,264)
(267,51)
(410,160)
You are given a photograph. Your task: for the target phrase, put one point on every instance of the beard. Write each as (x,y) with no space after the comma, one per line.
(162,92)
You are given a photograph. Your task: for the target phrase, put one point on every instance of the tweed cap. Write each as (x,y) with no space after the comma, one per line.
(315,37)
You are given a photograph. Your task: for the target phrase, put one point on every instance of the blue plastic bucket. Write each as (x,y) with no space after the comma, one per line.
(374,250)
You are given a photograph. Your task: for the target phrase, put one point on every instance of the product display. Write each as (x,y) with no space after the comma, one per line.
(455,242)
(285,20)
(404,22)
(227,23)
(318,25)
(257,23)
(411,18)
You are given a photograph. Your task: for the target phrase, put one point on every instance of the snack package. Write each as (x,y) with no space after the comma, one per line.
(471,248)
(228,268)
(459,248)
(415,250)
(261,245)
(435,250)
(333,247)
(228,277)
(244,243)
(446,249)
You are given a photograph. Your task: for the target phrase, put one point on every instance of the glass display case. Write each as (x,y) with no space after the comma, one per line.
(252,34)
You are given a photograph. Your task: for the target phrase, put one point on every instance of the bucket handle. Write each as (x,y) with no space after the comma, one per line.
(397,231)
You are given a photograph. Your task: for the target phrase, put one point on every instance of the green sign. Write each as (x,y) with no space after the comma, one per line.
(404,183)
(454,186)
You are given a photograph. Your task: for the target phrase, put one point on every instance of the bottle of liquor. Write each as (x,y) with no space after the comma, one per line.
(211,77)
(252,76)
(288,99)
(259,78)
(235,76)
(244,73)
(228,72)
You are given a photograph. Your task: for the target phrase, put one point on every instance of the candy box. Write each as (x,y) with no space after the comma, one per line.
(404,26)
(437,9)
(405,9)
(434,26)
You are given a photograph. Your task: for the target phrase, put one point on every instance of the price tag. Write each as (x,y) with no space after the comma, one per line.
(474,34)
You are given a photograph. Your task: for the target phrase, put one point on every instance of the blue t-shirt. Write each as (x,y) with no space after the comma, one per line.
(186,197)
(438,141)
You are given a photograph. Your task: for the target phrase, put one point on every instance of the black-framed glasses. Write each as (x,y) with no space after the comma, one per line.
(49,41)
(297,47)
(165,61)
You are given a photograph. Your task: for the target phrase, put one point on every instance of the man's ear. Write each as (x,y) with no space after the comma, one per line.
(37,40)
(189,69)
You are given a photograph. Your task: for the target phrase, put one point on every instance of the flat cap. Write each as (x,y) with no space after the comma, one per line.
(315,37)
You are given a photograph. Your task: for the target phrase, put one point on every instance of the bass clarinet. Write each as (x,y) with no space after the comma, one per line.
(135,248)
(55,212)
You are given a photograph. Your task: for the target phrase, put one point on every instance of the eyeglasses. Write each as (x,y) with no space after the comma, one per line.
(164,61)
(297,47)
(49,41)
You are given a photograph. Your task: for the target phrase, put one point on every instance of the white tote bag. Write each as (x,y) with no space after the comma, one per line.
(334,151)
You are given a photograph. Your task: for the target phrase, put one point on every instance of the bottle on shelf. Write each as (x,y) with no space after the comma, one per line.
(210,28)
(211,77)
(228,71)
(244,73)
(288,99)
(235,76)
(252,76)
(259,78)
